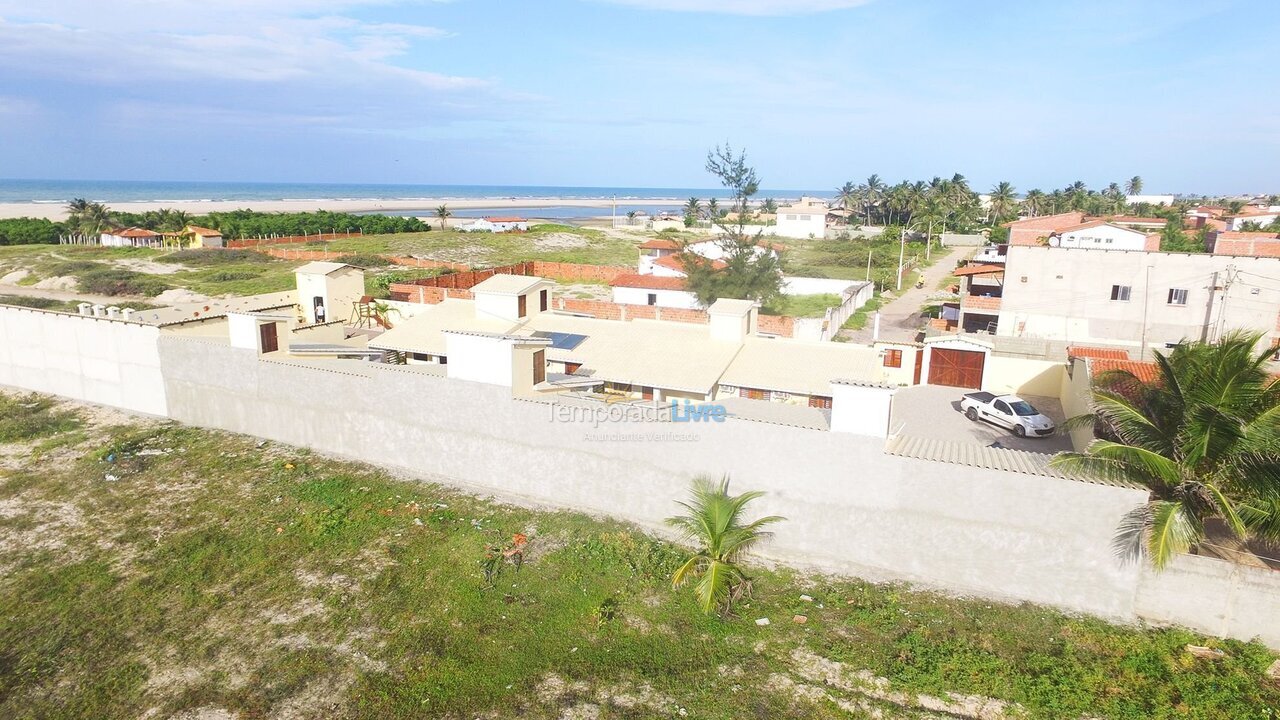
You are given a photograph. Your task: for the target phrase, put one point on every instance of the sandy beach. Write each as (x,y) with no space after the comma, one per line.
(425,206)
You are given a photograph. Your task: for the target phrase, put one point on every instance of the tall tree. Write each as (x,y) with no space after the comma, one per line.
(715,521)
(1004,202)
(692,209)
(1133,186)
(1034,202)
(1203,438)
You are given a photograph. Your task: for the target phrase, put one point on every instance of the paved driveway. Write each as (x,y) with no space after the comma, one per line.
(900,318)
(933,411)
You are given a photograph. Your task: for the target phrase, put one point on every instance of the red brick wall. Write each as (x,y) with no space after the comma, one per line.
(288,239)
(782,325)
(406,292)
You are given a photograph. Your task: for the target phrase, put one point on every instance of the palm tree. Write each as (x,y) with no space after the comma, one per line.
(714,521)
(1004,202)
(769,206)
(1034,202)
(872,194)
(1203,438)
(847,196)
(713,209)
(1133,186)
(444,213)
(693,207)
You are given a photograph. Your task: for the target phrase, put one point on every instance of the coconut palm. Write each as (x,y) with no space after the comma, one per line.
(444,213)
(1133,186)
(715,522)
(872,194)
(1203,438)
(693,208)
(713,209)
(769,206)
(1004,202)
(1034,202)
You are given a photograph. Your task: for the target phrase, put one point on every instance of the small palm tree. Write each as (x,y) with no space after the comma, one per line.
(1204,438)
(444,213)
(714,521)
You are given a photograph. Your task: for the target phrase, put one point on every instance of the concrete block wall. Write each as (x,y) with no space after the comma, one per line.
(98,360)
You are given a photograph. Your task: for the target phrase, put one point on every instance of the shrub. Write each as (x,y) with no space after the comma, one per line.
(74,267)
(112,281)
(230,276)
(364,260)
(211,256)
(39,303)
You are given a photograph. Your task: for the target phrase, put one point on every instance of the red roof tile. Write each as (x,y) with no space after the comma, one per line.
(660,244)
(202,231)
(1147,372)
(674,262)
(649,282)
(1097,353)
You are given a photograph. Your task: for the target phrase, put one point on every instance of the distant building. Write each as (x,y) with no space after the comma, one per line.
(804,219)
(496,225)
(1250,215)
(657,290)
(1102,235)
(198,237)
(132,237)
(1149,199)
(328,290)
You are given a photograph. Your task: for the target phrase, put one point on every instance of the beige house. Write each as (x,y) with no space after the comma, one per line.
(328,291)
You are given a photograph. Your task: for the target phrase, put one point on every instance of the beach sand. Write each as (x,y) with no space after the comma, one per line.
(424,207)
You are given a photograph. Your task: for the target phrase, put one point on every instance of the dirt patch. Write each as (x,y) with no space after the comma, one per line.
(149,267)
(560,241)
(586,291)
(28,526)
(465,255)
(175,296)
(13,277)
(58,283)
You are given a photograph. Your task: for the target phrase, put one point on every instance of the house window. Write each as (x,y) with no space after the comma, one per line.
(653,298)
(753,394)
(539,366)
(542,301)
(423,357)
(791,217)
(522,307)
(1177,296)
(805,218)
(893,358)
(1120,292)
(820,401)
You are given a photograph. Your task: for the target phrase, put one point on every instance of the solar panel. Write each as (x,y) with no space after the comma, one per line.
(561,341)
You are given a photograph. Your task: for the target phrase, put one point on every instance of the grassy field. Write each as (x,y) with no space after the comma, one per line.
(803,306)
(152,569)
(846,259)
(557,243)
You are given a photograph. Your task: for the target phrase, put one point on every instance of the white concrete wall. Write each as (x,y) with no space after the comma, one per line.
(792,285)
(1214,597)
(850,507)
(479,359)
(1022,376)
(666,298)
(860,410)
(98,360)
(791,222)
(493,305)
(1066,295)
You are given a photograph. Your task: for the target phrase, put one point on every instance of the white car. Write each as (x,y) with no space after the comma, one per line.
(1009,411)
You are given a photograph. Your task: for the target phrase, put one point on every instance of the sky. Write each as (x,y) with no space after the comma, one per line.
(633,93)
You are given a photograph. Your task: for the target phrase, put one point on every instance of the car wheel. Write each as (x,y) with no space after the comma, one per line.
(972,414)
(1019,431)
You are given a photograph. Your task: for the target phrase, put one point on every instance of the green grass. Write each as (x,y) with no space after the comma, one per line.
(858,319)
(556,243)
(212,572)
(27,417)
(803,306)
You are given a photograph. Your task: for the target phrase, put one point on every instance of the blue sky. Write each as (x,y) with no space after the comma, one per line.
(634,92)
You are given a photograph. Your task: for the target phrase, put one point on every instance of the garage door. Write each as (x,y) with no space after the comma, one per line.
(956,368)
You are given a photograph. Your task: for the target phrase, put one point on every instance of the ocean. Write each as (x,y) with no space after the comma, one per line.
(109,191)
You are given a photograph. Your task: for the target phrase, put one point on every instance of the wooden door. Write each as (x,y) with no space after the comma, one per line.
(956,368)
(919,366)
(539,366)
(646,393)
(267,334)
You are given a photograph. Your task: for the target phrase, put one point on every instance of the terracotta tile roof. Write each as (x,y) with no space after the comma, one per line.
(1147,372)
(978,270)
(1041,222)
(202,231)
(135,232)
(1129,219)
(649,282)
(1097,353)
(1246,235)
(660,244)
(673,262)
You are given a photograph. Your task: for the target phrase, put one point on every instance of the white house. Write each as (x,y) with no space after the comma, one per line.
(1102,235)
(1149,199)
(131,237)
(1260,217)
(805,219)
(659,256)
(496,225)
(327,291)
(658,290)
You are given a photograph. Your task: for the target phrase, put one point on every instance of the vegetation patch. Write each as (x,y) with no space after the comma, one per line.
(803,306)
(363,260)
(163,570)
(205,257)
(117,281)
(858,319)
(27,417)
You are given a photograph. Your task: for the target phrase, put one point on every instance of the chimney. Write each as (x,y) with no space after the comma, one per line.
(113,312)
(99,310)
(732,320)
(85,308)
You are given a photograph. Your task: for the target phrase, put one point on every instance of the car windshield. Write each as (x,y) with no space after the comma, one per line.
(1023,408)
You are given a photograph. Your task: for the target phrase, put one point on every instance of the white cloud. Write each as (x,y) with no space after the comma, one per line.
(744,7)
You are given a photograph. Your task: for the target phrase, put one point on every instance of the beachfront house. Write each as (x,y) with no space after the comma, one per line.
(198,237)
(131,237)
(804,219)
(496,225)
(328,291)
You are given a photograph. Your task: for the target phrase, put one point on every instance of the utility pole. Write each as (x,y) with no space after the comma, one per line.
(868,260)
(1220,326)
(1208,307)
(1146,299)
(902,249)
